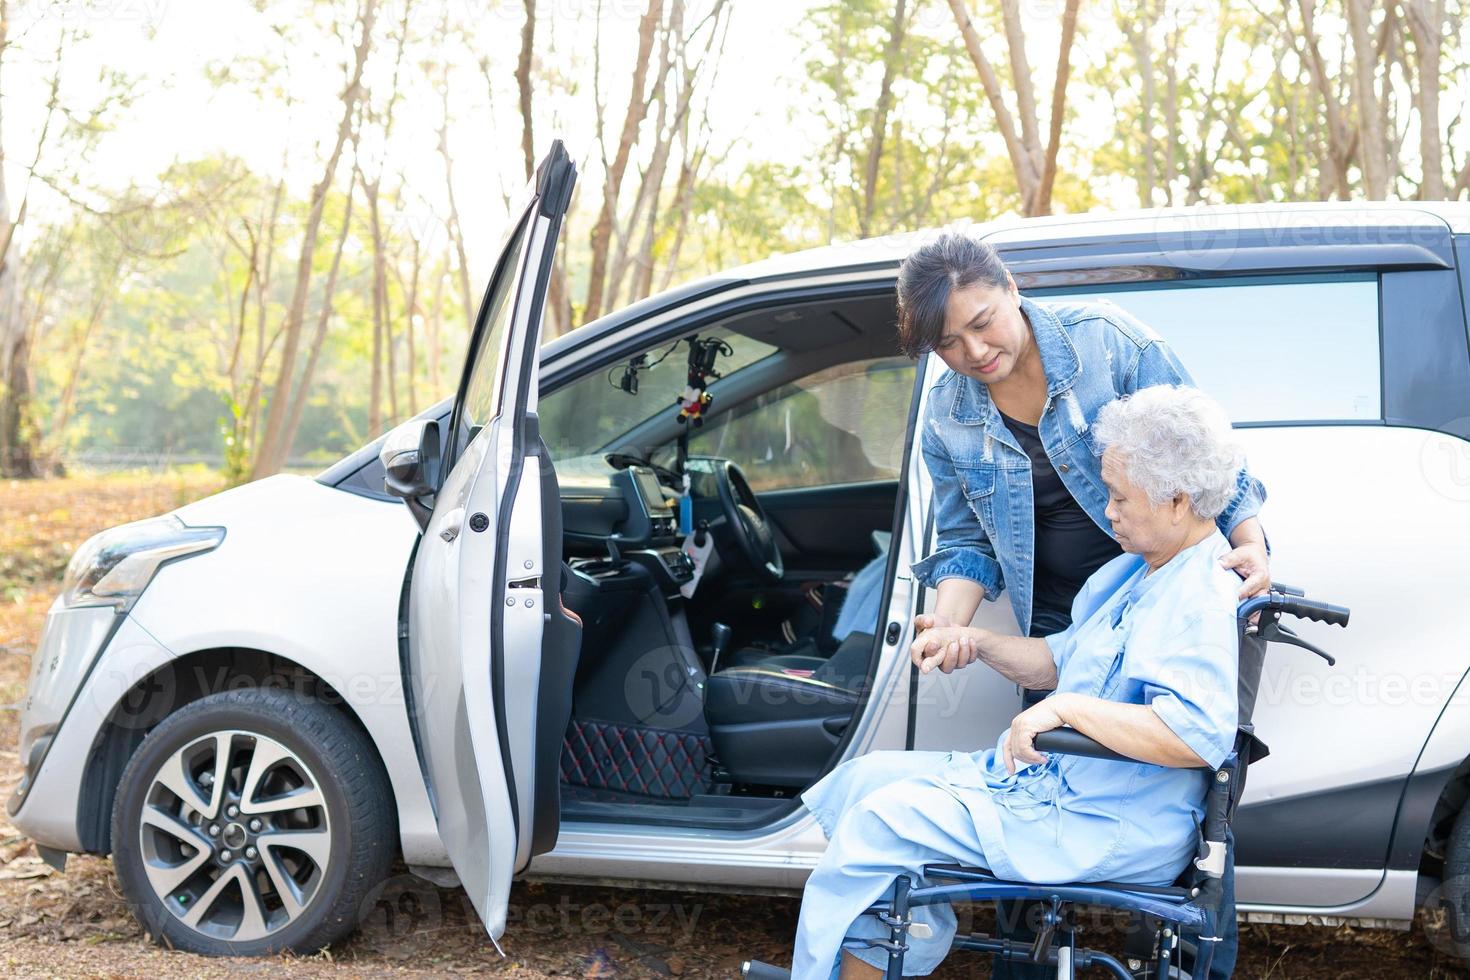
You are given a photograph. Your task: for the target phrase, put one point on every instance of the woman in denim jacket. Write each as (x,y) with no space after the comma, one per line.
(1017,472)
(1007,437)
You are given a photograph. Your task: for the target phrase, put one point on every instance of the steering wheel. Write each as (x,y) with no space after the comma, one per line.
(749,525)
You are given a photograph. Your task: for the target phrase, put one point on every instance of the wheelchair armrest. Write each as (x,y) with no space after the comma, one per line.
(1069,741)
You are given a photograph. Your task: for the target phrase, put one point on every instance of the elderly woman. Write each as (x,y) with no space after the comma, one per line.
(1147,667)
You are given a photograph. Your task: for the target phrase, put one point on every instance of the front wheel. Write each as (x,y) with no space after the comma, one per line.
(250,822)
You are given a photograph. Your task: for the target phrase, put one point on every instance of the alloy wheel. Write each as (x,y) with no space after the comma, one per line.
(235,835)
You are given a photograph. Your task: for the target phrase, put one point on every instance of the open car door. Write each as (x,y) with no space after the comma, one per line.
(491,654)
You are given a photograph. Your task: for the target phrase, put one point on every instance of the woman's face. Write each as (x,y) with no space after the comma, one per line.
(985,333)
(1140,527)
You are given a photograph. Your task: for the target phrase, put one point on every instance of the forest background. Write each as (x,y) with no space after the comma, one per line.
(250,234)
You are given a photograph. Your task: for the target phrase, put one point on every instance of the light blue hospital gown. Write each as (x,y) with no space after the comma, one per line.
(1167,640)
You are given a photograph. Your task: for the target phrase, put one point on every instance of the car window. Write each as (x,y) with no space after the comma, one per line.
(579,419)
(843,424)
(482,381)
(1280,350)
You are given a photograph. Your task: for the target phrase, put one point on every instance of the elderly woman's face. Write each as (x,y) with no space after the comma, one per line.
(1140,527)
(985,333)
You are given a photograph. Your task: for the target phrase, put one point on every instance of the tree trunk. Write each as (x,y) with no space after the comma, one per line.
(106,288)
(250,407)
(1373,160)
(1426,25)
(456,233)
(880,118)
(1171,114)
(523,84)
(17,442)
(1022,80)
(375,386)
(637,111)
(410,311)
(650,179)
(1140,39)
(272,452)
(323,320)
(1058,108)
(1340,145)
(436,323)
(1022,166)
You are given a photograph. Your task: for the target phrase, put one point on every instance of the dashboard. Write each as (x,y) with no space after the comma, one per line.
(631,518)
(629,505)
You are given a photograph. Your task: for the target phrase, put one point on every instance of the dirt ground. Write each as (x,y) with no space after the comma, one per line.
(77,924)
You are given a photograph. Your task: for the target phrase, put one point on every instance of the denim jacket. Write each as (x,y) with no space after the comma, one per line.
(1092,353)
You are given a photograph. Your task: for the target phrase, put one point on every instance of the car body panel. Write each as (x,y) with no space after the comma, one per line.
(49,814)
(248,594)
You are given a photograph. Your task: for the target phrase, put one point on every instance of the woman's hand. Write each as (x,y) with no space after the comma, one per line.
(928,621)
(1251,563)
(945,647)
(1020,741)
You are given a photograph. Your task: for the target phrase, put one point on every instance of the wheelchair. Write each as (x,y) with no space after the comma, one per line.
(1160,917)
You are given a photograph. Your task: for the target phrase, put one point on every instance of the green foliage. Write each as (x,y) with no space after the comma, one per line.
(156,316)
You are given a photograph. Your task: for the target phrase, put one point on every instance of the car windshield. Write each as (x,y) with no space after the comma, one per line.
(596,413)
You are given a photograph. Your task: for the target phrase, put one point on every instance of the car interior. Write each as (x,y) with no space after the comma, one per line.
(712,693)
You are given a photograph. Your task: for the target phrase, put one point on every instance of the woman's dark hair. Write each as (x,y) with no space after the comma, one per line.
(926,278)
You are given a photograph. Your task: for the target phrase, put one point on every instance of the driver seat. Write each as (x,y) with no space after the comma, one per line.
(856,609)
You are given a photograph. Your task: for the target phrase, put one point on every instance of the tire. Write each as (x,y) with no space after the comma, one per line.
(1454,891)
(311,835)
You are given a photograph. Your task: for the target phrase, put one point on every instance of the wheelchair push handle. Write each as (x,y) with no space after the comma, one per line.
(1291,604)
(1319,612)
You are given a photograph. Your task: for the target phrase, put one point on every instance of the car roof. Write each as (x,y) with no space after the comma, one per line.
(890,250)
(1098,227)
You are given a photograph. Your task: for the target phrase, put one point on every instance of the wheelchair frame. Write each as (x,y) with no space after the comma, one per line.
(1159,914)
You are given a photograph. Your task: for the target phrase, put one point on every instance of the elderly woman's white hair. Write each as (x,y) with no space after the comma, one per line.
(1174,439)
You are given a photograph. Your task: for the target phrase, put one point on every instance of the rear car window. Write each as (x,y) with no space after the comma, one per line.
(1271,350)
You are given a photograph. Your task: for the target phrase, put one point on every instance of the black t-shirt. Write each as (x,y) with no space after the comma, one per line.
(1069,545)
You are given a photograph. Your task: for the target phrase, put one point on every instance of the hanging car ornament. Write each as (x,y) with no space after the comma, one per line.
(694,400)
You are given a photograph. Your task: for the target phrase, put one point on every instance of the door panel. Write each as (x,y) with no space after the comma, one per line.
(831,527)
(477,602)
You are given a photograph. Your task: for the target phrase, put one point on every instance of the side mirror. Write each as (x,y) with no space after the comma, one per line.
(410,458)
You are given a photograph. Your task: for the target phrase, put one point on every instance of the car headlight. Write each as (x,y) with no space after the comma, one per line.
(113,567)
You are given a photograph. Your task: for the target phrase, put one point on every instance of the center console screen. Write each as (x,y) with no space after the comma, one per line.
(651,492)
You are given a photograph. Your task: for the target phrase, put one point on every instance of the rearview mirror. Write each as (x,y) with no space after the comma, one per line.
(410,458)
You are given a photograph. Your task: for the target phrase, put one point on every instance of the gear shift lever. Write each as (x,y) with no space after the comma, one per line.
(720,642)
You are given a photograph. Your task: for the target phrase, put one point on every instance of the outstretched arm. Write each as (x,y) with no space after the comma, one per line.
(1025,660)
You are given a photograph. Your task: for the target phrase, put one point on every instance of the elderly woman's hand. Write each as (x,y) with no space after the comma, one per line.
(1020,740)
(945,647)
